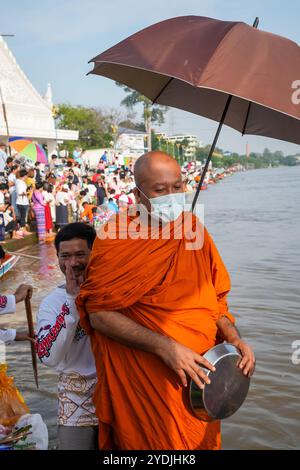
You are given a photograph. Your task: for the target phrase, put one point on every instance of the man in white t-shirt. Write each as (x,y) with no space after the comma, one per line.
(6,209)
(12,178)
(64,345)
(92,190)
(22,200)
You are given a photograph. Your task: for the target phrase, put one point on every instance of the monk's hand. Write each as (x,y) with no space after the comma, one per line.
(247,362)
(186,363)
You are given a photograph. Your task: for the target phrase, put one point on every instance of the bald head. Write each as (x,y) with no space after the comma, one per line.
(156,174)
(154,162)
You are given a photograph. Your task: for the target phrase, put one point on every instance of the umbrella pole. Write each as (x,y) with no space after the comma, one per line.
(212,148)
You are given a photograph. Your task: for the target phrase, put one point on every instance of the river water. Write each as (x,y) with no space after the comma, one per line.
(254,219)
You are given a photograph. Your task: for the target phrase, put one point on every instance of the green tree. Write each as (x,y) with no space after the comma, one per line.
(93,125)
(290,160)
(151,113)
(202,153)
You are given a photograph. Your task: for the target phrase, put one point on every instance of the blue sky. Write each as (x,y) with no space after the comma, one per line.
(54,40)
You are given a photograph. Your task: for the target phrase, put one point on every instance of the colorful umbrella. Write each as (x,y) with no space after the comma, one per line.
(28,149)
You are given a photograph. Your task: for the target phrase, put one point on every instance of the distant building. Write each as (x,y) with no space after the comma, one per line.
(131,142)
(189,152)
(28,114)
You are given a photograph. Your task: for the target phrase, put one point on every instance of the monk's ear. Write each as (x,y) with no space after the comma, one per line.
(137,195)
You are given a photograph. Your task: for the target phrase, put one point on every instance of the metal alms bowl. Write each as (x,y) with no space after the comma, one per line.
(228,388)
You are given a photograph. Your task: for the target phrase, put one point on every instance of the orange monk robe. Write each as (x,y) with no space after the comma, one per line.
(88,212)
(140,402)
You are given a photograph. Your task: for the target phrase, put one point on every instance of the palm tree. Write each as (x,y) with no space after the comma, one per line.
(151,113)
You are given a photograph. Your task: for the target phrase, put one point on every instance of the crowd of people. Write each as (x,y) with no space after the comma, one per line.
(44,198)
(47,197)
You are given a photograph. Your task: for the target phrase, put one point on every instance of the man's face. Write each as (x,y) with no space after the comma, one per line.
(76,253)
(161,179)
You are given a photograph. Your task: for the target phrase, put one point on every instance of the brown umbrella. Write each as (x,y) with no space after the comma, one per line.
(31,335)
(226,71)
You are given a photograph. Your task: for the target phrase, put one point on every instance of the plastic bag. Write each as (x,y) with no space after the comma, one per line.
(12,404)
(38,437)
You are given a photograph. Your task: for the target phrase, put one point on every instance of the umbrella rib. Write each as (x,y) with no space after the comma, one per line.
(246,120)
(162,90)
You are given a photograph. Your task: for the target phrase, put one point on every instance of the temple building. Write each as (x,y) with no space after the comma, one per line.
(28,114)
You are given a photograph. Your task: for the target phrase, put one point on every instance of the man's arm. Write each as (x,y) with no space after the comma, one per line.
(179,358)
(8,305)
(9,335)
(8,302)
(230,333)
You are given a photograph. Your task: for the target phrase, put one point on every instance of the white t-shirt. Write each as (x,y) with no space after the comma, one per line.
(2,198)
(12,179)
(62,198)
(21,188)
(3,158)
(64,345)
(7,305)
(92,189)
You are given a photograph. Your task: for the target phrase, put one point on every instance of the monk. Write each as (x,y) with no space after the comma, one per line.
(152,309)
(87,212)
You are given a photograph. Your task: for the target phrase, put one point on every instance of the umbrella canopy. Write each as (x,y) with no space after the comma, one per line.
(196,63)
(28,149)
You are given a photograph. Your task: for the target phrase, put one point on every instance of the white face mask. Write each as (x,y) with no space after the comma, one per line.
(166,208)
